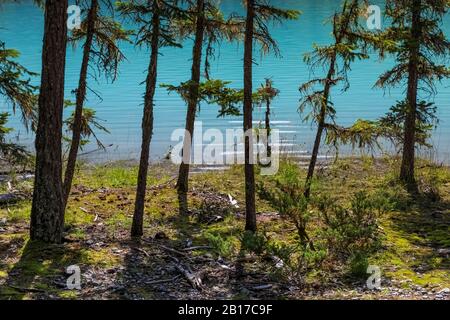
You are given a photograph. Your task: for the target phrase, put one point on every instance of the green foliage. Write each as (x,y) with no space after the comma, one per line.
(368,134)
(141,12)
(267,92)
(222,246)
(287,196)
(429,185)
(351,231)
(10,152)
(288,259)
(426,121)
(105,52)
(217,27)
(358,264)
(216,92)
(351,43)
(90,123)
(254,242)
(16,87)
(348,46)
(362,134)
(266,13)
(430,44)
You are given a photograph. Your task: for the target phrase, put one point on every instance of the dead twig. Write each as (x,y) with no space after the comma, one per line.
(198,248)
(175,251)
(145,253)
(84,210)
(194,279)
(163,185)
(162,281)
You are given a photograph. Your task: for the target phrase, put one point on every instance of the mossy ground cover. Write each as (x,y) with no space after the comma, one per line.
(210,241)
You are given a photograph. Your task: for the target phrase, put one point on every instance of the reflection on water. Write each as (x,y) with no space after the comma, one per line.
(121,103)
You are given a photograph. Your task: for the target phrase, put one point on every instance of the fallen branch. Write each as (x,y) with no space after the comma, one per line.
(162,281)
(175,251)
(163,185)
(179,253)
(194,279)
(198,248)
(145,253)
(85,210)
(262,287)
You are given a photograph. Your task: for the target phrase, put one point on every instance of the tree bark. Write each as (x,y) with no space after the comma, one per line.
(248,119)
(408,159)
(47,212)
(267,121)
(147,126)
(320,128)
(80,99)
(183,176)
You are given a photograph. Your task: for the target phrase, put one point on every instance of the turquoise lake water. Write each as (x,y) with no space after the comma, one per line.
(21,27)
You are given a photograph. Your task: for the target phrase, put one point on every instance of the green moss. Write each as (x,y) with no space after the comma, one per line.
(68,294)
(114,175)
(19,212)
(413,227)
(9,293)
(101,258)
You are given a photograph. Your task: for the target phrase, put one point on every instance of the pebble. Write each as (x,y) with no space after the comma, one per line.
(444,291)
(444,251)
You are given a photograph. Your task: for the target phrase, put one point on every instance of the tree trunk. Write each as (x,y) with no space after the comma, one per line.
(147,126)
(248,119)
(320,128)
(407,167)
(183,177)
(267,122)
(80,99)
(47,212)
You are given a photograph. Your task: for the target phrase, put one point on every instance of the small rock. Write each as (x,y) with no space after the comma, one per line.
(279,263)
(3,222)
(444,252)
(444,291)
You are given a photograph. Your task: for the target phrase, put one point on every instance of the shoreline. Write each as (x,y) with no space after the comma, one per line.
(208,239)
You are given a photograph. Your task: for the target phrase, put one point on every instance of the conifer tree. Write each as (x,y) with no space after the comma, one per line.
(422,53)
(154,19)
(258,14)
(100,35)
(337,57)
(47,212)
